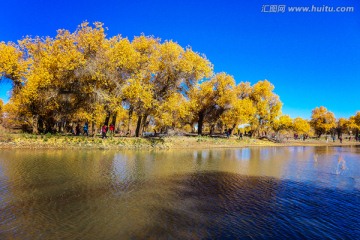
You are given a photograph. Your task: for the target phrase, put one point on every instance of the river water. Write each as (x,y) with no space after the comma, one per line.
(248,193)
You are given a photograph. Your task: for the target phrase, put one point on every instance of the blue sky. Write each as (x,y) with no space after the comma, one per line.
(313,59)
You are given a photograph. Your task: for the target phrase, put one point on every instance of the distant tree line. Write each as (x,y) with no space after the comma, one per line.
(141,85)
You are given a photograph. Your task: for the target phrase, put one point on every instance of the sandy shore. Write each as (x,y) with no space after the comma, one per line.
(24,141)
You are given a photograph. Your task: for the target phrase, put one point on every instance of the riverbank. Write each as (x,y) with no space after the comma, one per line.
(29,141)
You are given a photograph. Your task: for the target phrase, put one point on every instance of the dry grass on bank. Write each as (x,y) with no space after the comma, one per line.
(48,141)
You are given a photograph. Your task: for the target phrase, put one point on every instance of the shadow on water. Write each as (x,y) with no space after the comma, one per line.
(228,206)
(202,205)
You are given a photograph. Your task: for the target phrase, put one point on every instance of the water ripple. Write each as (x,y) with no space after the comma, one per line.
(131,197)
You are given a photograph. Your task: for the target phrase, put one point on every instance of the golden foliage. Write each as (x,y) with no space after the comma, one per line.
(85,76)
(301,126)
(138,94)
(242,111)
(211,99)
(267,103)
(13,65)
(173,112)
(354,122)
(1,109)
(122,56)
(283,123)
(322,120)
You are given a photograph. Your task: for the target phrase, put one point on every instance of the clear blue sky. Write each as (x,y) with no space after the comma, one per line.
(313,59)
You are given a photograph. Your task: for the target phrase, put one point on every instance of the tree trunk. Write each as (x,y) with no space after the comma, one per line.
(60,126)
(130,116)
(113,120)
(200,123)
(93,129)
(107,118)
(319,134)
(143,123)
(49,125)
(138,131)
(232,130)
(254,132)
(40,125)
(212,129)
(35,129)
(339,132)
(222,129)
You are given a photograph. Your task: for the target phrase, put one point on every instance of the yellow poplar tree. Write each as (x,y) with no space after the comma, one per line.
(267,103)
(283,123)
(123,62)
(211,99)
(169,69)
(242,110)
(138,99)
(354,123)
(37,97)
(173,112)
(1,110)
(138,90)
(179,71)
(342,126)
(13,65)
(46,92)
(322,120)
(301,126)
(94,79)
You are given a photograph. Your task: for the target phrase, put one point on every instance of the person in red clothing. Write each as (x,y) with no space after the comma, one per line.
(103,131)
(112,129)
